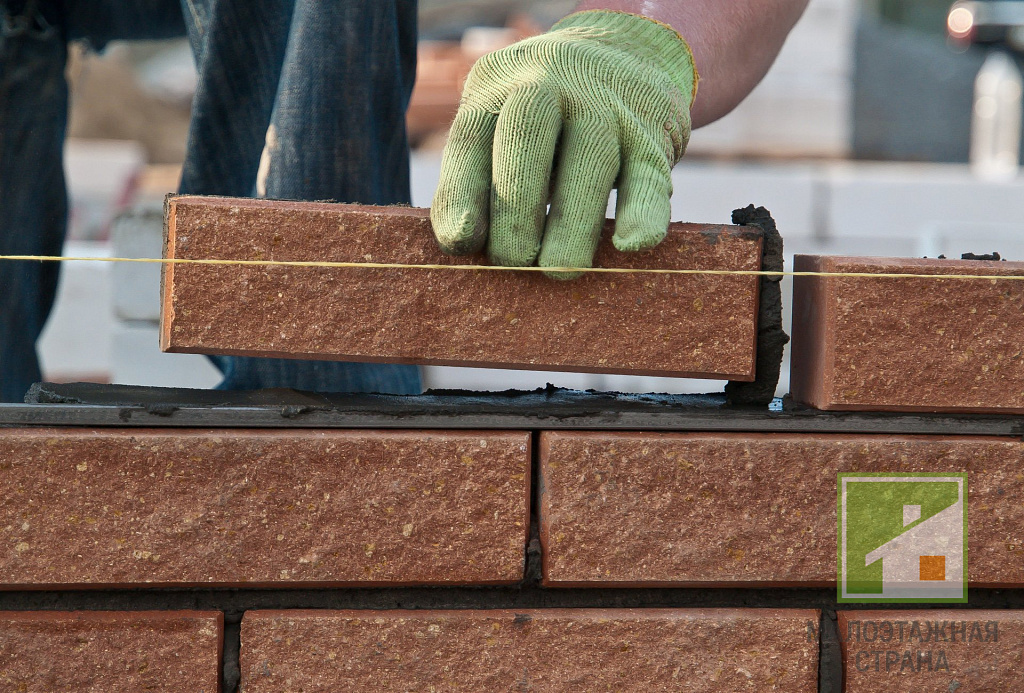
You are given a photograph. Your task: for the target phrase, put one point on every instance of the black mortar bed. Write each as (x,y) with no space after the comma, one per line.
(87,404)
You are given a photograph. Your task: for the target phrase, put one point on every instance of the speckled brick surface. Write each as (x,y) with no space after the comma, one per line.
(110,652)
(941,650)
(898,344)
(706,650)
(141,507)
(702,326)
(646,509)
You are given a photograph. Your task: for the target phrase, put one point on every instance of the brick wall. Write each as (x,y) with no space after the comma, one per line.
(318,560)
(535,542)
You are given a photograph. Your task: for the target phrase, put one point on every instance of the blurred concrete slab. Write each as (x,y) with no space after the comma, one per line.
(75,345)
(803,106)
(137,233)
(710,191)
(906,200)
(136,359)
(953,239)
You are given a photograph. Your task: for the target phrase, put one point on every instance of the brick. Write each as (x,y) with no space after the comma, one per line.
(109,652)
(676,325)
(649,509)
(913,651)
(921,345)
(272,508)
(707,650)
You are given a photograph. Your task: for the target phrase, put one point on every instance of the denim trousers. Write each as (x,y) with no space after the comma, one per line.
(304,97)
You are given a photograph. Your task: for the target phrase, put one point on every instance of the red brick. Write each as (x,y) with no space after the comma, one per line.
(680,325)
(109,652)
(986,654)
(707,650)
(277,508)
(702,509)
(885,344)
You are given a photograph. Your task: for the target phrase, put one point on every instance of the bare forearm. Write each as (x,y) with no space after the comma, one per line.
(734,42)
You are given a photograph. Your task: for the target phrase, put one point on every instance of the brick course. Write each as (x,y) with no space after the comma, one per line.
(648,509)
(709,650)
(940,345)
(677,325)
(275,508)
(110,652)
(965,650)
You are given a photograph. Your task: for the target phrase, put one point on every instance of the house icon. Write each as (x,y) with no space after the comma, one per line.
(927,559)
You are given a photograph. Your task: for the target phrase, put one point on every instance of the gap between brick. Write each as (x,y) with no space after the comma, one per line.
(534,559)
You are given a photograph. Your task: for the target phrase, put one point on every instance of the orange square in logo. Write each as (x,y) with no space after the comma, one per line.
(933,568)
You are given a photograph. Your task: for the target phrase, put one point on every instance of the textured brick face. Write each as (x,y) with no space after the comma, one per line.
(702,326)
(110,652)
(551,650)
(943,345)
(966,650)
(138,507)
(724,509)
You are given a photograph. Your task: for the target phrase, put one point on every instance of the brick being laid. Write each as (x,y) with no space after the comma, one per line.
(111,651)
(932,650)
(147,508)
(708,650)
(675,325)
(908,344)
(733,510)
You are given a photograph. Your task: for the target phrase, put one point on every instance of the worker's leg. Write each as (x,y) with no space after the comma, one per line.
(332,118)
(339,121)
(33,117)
(239,46)
(33,208)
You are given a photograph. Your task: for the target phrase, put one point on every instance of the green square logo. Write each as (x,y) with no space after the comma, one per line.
(902,537)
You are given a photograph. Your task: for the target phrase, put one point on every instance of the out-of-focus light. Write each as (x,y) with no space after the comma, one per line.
(960,22)
(985,107)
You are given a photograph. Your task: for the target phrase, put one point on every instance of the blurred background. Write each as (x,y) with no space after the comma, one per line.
(886,127)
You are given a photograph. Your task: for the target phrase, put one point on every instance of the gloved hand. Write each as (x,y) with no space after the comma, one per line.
(604,98)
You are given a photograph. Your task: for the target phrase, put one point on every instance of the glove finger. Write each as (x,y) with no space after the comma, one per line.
(644,204)
(524,149)
(587,167)
(461,205)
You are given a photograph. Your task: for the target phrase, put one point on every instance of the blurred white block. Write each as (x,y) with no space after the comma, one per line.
(136,286)
(136,359)
(76,341)
(100,175)
(707,193)
(907,200)
(425,170)
(772,122)
(953,239)
(866,245)
(822,42)
(802,106)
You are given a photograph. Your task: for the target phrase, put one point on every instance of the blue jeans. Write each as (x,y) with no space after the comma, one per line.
(324,84)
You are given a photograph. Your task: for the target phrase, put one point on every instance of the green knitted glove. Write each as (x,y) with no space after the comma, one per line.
(604,100)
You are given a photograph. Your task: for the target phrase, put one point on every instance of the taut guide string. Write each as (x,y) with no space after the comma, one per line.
(501,268)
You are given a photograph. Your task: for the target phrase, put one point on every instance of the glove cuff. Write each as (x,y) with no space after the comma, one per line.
(649,38)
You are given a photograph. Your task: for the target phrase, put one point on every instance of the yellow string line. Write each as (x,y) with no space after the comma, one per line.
(501,268)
